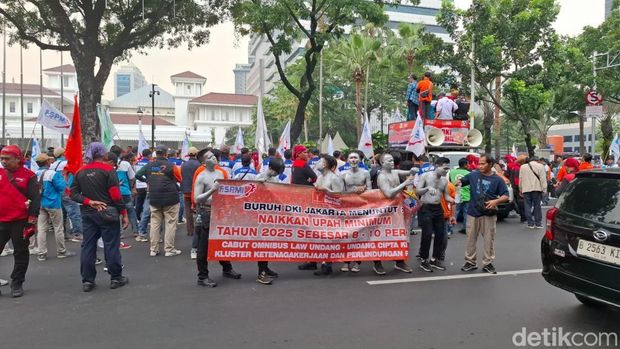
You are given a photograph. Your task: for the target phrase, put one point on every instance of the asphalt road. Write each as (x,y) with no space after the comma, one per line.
(163,308)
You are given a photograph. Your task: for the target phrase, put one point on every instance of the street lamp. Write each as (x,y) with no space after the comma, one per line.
(581,131)
(152,96)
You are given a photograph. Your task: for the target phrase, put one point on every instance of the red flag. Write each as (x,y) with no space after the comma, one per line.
(73,150)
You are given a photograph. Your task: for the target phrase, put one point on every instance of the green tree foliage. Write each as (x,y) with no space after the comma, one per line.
(313,22)
(98,32)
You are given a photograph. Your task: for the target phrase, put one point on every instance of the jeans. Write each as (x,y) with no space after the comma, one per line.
(131,213)
(140,201)
(532,203)
(145,217)
(412,111)
(461,211)
(13,231)
(202,231)
(433,223)
(73,212)
(425,109)
(181,207)
(110,233)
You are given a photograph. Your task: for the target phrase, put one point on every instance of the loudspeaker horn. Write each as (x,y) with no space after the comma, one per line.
(474,138)
(435,137)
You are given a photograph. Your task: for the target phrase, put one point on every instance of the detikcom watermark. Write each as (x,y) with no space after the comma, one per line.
(558,337)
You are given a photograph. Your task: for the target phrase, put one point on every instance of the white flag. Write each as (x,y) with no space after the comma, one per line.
(53,119)
(417,141)
(185,148)
(261,140)
(239,142)
(330,145)
(284,143)
(514,150)
(36,150)
(142,144)
(365,144)
(614,149)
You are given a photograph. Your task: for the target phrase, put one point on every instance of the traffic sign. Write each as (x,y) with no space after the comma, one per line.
(594,111)
(593,98)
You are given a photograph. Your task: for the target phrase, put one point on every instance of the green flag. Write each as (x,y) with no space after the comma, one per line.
(108,131)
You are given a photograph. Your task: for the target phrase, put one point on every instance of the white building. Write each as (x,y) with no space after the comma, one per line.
(570,132)
(129,103)
(221,111)
(241,74)
(259,55)
(127,79)
(68,75)
(188,85)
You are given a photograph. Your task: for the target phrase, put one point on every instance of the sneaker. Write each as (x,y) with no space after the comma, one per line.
(538,226)
(272,274)
(193,254)
(489,268)
(426,266)
(402,266)
(231,274)
(65,254)
(161,240)
(17,290)
(378,268)
(42,257)
(182,221)
(98,261)
(356,268)
(469,267)
(142,238)
(206,282)
(345,268)
(416,231)
(88,286)
(437,264)
(33,251)
(462,231)
(173,252)
(154,253)
(76,238)
(417,256)
(124,246)
(326,269)
(308,266)
(3,282)
(531,226)
(114,284)
(6,252)
(264,279)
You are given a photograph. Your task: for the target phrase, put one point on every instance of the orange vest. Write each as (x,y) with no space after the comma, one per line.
(448,209)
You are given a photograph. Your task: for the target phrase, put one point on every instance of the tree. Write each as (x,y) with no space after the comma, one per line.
(608,124)
(312,22)
(353,57)
(98,32)
(511,39)
(410,43)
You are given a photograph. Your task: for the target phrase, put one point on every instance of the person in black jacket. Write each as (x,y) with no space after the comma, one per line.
(162,177)
(188,169)
(96,187)
(302,172)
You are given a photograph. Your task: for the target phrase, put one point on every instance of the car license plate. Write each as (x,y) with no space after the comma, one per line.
(600,252)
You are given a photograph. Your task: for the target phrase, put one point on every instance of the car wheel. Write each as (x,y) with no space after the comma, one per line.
(589,301)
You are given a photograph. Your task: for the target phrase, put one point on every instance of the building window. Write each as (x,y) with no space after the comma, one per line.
(568,138)
(12,107)
(65,81)
(123,84)
(29,107)
(568,149)
(590,137)
(226,116)
(212,115)
(188,90)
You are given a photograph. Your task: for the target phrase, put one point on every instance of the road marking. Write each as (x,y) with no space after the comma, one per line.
(453,277)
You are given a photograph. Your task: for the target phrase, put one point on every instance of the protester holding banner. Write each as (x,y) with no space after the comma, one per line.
(20,203)
(288,165)
(205,185)
(389,183)
(303,175)
(431,188)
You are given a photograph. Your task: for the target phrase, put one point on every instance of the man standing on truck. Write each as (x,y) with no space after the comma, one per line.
(425,90)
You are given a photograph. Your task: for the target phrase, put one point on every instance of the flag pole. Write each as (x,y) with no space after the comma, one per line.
(41,89)
(62,95)
(21,86)
(4,87)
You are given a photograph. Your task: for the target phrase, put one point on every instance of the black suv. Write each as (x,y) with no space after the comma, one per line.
(581,246)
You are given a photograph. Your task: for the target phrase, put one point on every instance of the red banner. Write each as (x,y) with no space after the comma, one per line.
(454,130)
(252,221)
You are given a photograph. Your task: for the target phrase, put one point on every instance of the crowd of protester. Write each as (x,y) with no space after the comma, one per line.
(155,191)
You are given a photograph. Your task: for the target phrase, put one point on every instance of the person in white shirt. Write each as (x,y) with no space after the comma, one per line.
(445,107)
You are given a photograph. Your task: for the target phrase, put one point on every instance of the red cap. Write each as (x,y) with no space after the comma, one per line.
(14,151)
(572,162)
(298,149)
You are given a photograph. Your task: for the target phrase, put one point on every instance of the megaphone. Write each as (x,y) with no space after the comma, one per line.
(474,138)
(435,137)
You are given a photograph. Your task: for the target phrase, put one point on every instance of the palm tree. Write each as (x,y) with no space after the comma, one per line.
(409,42)
(352,57)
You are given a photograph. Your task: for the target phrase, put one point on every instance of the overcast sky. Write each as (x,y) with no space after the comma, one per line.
(216,60)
